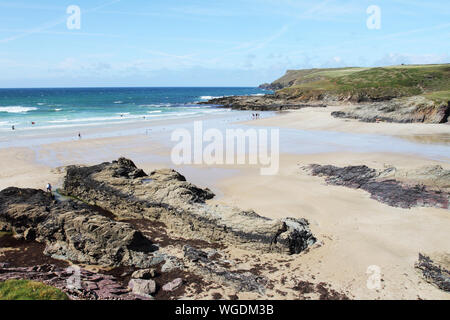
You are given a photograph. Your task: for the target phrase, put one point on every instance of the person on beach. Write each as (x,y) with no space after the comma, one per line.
(13,128)
(49,187)
(79,135)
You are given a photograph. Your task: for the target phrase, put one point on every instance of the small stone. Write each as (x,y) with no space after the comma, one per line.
(91,286)
(142,287)
(170,265)
(212,253)
(172,286)
(144,274)
(194,254)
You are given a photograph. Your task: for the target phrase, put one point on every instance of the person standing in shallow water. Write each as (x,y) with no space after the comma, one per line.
(79,135)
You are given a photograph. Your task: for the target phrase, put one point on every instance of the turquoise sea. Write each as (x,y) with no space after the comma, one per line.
(73,107)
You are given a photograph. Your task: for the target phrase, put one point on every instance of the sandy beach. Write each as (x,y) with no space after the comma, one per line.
(354,230)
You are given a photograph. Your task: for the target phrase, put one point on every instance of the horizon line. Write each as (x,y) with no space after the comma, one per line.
(131,87)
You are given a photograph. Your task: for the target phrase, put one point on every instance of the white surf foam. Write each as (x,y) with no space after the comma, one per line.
(210,97)
(160,105)
(16,109)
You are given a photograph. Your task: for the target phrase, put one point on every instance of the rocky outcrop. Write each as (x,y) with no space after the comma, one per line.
(165,196)
(405,110)
(73,231)
(436,271)
(262,103)
(416,109)
(382,187)
(219,271)
(269,86)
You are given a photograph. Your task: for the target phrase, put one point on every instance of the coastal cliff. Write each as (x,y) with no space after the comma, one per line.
(413,93)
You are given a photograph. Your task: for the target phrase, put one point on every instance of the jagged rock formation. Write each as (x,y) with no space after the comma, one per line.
(382,187)
(262,103)
(165,196)
(73,231)
(436,271)
(406,110)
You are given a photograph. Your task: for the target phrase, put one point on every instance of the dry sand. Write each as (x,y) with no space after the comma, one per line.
(321,119)
(354,230)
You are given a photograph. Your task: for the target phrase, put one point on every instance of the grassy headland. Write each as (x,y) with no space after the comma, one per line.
(366,84)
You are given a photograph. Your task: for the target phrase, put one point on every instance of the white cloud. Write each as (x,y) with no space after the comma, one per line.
(399,58)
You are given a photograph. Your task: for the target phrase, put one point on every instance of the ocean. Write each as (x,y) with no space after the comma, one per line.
(27,109)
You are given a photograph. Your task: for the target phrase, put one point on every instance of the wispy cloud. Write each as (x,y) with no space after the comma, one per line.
(249,47)
(51,24)
(28,6)
(76,33)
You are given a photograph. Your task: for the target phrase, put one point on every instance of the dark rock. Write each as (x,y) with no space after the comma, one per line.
(72,230)
(261,103)
(351,176)
(433,272)
(242,280)
(195,255)
(389,191)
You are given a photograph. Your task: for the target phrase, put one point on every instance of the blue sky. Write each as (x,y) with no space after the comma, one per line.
(209,43)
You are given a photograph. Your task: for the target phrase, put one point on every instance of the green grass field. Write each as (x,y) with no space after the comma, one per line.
(29,290)
(382,83)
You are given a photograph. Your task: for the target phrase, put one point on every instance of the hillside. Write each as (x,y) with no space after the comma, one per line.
(366,84)
(406,93)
